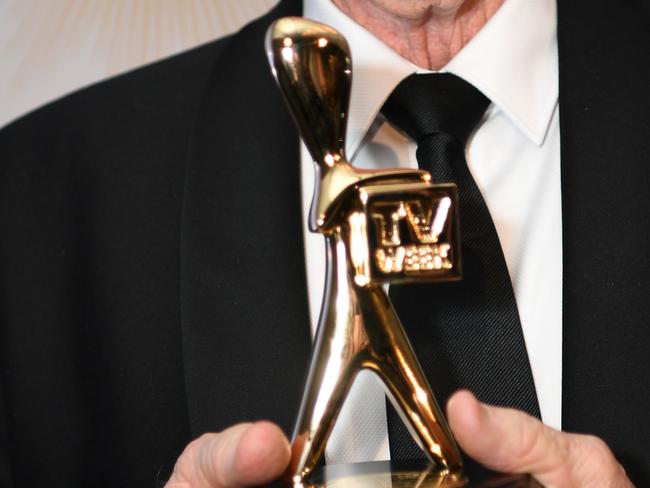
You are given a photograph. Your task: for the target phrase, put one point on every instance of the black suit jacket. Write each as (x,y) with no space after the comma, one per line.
(152,284)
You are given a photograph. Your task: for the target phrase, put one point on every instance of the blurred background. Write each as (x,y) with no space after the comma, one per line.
(51,47)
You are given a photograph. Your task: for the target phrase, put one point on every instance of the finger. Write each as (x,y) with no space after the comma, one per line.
(243,455)
(504,440)
(511,441)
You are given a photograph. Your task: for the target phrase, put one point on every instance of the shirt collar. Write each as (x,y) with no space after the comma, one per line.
(512,60)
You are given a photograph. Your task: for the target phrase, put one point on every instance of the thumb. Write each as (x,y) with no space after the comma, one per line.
(510,441)
(243,455)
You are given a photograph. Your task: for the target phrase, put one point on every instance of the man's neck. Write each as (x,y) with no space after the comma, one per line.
(426,32)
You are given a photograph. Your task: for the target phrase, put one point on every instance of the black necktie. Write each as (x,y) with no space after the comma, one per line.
(466,334)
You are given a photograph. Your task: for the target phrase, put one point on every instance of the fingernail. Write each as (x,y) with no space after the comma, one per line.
(484,412)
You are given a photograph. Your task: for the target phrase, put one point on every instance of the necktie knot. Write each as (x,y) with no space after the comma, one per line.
(428,104)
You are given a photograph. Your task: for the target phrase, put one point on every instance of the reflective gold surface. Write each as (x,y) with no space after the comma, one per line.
(408,474)
(358,329)
(384,474)
(412,232)
(312,65)
(384,226)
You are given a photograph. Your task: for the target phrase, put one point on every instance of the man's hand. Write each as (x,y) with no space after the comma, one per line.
(510,441)
(502,439)
(243,455)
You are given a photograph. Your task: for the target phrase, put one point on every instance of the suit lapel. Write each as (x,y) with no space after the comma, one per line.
(243,289)
(605,131)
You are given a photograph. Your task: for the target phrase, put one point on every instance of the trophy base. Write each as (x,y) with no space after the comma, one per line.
(392,474)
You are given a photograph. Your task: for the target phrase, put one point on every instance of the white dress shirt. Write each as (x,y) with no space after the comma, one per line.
(514,156)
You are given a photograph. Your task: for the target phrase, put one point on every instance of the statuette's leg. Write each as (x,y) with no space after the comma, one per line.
(394,361)
(321,405)
(336,360)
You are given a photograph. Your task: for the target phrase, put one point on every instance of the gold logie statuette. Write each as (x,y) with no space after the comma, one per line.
(387,226)
(381,227)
